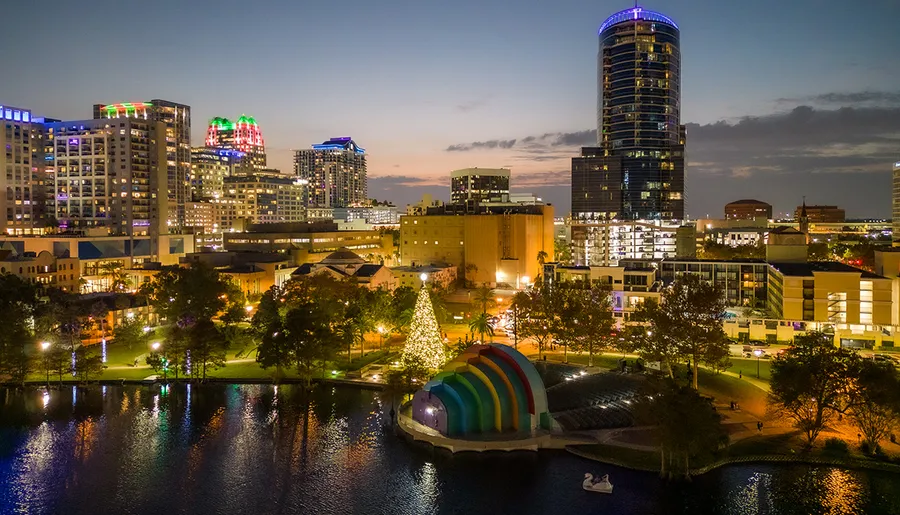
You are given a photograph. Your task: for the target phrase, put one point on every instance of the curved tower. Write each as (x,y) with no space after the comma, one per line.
(638,164)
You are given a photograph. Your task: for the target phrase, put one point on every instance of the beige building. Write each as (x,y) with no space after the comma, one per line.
(43,268)
(21,173)
(829,292)
(495,246)
(310,242)
(439,275)
(630,286)
(346,265)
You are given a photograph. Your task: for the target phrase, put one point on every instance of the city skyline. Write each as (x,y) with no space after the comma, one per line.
(508,88)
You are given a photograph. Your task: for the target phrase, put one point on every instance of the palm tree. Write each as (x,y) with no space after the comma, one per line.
(542,257)
(481,324)
(484,295)
(115,275)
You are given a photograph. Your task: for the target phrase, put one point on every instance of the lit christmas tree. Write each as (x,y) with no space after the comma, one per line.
(424,340)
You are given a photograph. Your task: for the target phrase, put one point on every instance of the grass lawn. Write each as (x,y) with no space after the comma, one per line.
(747,367)
(727,388)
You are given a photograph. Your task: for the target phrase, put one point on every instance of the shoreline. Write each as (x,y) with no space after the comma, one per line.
(797,459)
(367,385)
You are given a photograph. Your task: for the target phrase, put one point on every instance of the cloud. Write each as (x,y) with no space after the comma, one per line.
(835,148)
(853,99)
(472,105)
(482,145)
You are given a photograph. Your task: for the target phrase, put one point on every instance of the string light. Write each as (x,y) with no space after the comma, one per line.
(424,339)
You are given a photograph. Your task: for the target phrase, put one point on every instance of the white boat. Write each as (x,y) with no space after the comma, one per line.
(601,485)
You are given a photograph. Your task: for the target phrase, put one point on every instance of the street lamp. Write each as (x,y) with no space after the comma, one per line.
(248,308)
(381,331)
(758,353)
(155,346)
(44,347)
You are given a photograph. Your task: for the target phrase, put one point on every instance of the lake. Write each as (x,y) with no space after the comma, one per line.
(261,449)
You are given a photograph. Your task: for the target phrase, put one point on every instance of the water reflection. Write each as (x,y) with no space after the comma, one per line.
(260,449)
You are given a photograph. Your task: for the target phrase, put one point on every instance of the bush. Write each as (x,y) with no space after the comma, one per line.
(867,449)
(837,446)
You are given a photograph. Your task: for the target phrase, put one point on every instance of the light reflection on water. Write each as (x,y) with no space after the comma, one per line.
(259,449)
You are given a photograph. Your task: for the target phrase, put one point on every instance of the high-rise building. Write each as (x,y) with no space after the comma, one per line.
(176,141)
(479,185)
(636,171)
(107,173)
(21,172)
(265,198)
(209,168)
(748,209)
(336,171)
(895,206)
(243,135)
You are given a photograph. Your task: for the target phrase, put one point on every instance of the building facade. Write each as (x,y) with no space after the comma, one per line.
(262,198)
(599,243)
(479,185)
(895,205)
(636,171)
(176,141)
(243,136)
(829,292)
(336,172)
(745,282)
(372,215)
(21,172)
(107,173)
(209,168)
(495,246)
(748,209)
(820,214)
(309,242)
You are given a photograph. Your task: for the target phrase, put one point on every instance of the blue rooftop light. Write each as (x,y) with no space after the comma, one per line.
(636,13)
(345,143)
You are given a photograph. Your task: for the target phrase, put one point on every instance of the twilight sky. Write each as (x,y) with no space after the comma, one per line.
(782,99)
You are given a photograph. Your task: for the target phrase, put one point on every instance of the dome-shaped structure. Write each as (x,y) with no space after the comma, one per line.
(343,256)
(636,13)
(487,388)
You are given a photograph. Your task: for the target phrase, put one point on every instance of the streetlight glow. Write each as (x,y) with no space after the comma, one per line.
(45,345)
(423,276)
(249,308)
(155,346)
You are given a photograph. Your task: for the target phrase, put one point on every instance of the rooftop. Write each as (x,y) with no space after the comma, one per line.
(748,201)
(807,269)
(636,13)
(700,260)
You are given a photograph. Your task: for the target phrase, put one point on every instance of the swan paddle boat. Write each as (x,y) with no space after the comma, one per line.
(601,485)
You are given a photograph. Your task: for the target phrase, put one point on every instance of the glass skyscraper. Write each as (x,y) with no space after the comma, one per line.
(636,171)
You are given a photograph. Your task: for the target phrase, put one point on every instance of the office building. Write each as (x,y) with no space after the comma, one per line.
(495,245)
(108,174)
(895,205)
(309,242)
(263,198)
(748,209)
(479,185)
(744,281)
(176,140)
(21,172)
(378,215)
(336,171)
(636,170)
(829,292)
(244,136)
(209,168)
(599,243)
(820,214)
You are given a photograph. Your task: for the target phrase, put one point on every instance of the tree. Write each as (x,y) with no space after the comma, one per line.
(541,257)
(685,424)
(484,296)
(207,347)
(875,401)
(811,382)
(186,295)
(536,322)
(519,306)
(688,318)
(653,344)
(481,324)
(562,251)
(130,332)
(403,303)
(88,362)
(308,332)
(585,320)
(155,361)
(471,271)
(406,380)
(18,304)
(424,343)
(115,275)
